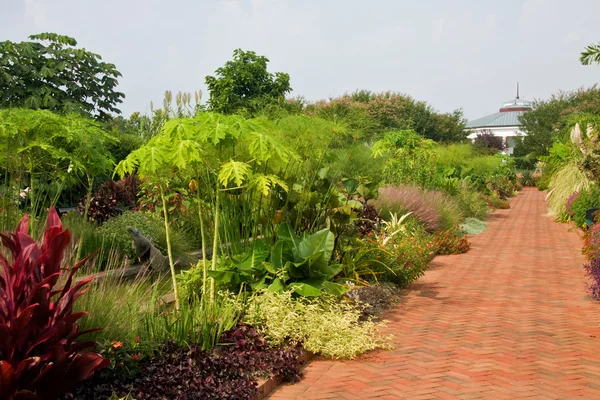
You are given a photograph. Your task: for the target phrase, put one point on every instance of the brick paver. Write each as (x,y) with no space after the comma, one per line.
(507,320)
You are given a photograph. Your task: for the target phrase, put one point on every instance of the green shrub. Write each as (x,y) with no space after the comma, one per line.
(473,226)
(404,256)
(587,199)
(323,325)
(498,203)
(471,204)
(150,225)
(86,239)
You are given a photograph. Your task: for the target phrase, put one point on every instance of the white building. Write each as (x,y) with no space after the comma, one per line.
(504,123)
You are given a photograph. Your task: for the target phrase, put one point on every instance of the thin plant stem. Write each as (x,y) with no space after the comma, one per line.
(169,250)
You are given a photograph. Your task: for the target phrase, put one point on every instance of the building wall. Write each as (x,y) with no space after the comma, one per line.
(506,132)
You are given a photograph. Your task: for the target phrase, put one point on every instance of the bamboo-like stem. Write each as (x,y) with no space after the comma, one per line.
(204,265)
(169,250)
(215,242)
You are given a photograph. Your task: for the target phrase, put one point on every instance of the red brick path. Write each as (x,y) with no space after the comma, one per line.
(507,320)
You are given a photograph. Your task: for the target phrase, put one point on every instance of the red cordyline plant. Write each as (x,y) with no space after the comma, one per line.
(40,358)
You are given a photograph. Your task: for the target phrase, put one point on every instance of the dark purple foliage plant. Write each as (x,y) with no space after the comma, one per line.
(228,372)
(593,272)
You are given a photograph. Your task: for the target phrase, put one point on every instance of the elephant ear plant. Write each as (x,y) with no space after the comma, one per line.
(302,264)
(39,355)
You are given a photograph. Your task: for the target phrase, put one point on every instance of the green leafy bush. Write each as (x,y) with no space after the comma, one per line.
(587,199)
(323,325)
(405,253)
(299,263)
(150,225)
(471,203)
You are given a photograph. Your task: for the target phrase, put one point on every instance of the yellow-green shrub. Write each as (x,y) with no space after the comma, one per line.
(323,325)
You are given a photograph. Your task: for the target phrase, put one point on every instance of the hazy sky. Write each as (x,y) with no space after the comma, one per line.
(465,54)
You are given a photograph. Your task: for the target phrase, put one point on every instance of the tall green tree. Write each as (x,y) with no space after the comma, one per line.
(50,72)
(548,119)
(244,84)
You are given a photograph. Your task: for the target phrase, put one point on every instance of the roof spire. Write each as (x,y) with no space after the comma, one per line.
(517,90)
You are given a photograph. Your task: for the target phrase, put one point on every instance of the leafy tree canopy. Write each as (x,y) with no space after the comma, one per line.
(50,73)
(244,84)
(548,119)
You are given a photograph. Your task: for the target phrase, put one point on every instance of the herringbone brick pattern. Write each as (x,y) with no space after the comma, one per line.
(507,320)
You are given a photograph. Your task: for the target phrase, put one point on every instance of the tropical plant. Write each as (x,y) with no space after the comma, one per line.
(227,154)
(39,355)
(51,73)
(42,148)
(408,158)
(244,84)
(301,264)
(591,54)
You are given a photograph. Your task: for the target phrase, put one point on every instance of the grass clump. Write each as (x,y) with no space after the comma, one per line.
(322,325)
(568,179)
(150,225)
(434,209)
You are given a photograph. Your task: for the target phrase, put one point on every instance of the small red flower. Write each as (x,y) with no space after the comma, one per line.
(117,345)
(135,357)
(137,339)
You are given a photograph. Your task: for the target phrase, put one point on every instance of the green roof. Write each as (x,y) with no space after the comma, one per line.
(508,118)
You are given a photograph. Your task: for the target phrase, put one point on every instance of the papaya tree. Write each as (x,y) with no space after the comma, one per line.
(217,154)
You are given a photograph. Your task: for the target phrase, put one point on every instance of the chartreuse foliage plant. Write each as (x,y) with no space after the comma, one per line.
(42,148)
(323,325)
(40,357)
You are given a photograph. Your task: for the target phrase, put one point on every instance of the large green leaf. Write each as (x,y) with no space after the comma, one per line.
(287,234)
(322,240)
(225,276)
(311,267)
(334,288)
(281,253)
(304,289)
(233,171)
(277,286)
(255,258)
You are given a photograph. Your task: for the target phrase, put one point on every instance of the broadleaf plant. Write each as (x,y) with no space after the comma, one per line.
(39,355)
(302,264)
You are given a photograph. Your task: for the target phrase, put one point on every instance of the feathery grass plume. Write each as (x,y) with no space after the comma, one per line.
(434,209)
(567,180)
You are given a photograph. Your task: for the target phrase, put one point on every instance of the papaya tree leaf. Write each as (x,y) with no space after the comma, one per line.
(233,171)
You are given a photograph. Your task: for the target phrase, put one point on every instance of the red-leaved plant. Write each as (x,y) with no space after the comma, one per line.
(40,358)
